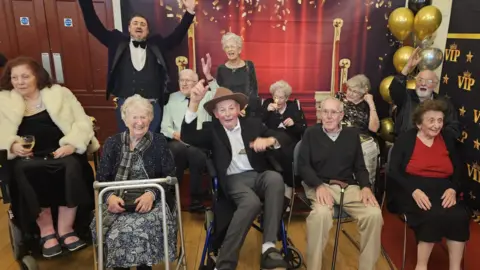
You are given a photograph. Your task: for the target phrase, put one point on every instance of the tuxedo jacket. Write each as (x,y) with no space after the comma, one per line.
(214,138)
(117,42)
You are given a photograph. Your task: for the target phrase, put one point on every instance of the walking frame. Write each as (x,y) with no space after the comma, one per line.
(102,187)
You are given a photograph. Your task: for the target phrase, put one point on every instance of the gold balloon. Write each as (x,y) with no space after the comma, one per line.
(401,56)
(400,23)
(384,89)
(387,129)
(411,84)
(427,21)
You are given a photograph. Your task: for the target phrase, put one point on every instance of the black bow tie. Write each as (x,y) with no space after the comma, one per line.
(142,44)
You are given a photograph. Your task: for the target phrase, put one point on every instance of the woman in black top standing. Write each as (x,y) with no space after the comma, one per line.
(239,75)
(284,115)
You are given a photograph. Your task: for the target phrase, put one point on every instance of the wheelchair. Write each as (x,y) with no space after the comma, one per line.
(25,244)
(210,249)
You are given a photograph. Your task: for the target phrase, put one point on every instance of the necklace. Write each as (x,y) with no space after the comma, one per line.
(33,109)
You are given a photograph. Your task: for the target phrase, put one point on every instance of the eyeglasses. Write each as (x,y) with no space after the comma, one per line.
(425,81)
(332,113)
(357,92)
(279,98)
(186,81)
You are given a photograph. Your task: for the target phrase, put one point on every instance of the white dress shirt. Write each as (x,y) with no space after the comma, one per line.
(240,162)
(138,55)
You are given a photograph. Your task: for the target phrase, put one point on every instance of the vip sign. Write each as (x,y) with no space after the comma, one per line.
(452,54)
(474,171)
(466,81)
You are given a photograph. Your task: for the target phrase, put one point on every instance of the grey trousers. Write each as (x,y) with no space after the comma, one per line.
(248,190)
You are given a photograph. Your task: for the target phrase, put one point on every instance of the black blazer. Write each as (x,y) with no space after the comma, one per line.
(117,42)
(213,137)
(399,184)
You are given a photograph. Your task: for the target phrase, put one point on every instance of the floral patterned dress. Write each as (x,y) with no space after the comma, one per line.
(137,239)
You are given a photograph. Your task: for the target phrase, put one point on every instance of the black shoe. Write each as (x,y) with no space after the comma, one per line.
(272,258)
(196,206)
(74,245)
(51,251)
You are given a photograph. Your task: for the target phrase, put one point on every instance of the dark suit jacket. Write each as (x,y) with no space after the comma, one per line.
(407,100)
(117,42)
(214,138)
(399,184)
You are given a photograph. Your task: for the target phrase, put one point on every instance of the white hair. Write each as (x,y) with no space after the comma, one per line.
(134,103)
(340,104)
(360,82)
(281,85)
(188,72)
(231,36)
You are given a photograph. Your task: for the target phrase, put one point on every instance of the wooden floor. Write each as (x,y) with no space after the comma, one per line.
(194,239)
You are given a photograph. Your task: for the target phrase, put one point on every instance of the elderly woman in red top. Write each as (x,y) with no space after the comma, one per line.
(426,169)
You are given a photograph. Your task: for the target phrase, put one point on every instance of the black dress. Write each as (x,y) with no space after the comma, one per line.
(44,182)
(284,155)
(242,80)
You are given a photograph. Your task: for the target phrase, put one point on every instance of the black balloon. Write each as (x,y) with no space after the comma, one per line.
(416,5)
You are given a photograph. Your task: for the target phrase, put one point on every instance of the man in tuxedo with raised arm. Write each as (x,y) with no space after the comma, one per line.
(136,62)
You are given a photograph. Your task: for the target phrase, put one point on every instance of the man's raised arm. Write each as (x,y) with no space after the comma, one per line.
(93,23)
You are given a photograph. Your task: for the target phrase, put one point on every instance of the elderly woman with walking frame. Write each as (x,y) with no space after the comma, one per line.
(133,219)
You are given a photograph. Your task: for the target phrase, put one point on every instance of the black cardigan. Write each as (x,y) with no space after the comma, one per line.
(292,111)
(402,151)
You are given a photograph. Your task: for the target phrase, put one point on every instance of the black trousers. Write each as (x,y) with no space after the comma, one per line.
(247,190)
(192,158)
(284,156)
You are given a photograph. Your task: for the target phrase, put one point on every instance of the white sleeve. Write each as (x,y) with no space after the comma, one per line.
(190,116)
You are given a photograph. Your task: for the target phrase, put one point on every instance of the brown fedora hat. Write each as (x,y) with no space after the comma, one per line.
(225,94)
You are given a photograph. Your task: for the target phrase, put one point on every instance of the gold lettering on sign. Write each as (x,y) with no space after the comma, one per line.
(452,54)
(466,81)
(464,136)
(476,116)
(473,172)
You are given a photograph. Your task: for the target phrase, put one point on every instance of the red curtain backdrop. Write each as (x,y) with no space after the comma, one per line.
(286,39)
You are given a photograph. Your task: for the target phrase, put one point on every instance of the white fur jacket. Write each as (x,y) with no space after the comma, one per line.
(64,109)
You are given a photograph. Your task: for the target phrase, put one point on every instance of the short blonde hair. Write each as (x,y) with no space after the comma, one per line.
(281,85)
(136,102)
(231,36)
(188,72)
(360,82)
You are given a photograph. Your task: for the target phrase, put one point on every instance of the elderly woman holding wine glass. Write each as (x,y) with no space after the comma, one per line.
(45,123)
(284,115)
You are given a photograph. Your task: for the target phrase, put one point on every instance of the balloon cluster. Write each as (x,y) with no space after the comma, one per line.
(417,24)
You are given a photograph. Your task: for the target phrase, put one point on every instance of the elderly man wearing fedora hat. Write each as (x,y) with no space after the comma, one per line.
(239,146)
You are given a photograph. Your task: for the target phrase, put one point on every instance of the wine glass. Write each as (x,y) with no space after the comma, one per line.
(28,142)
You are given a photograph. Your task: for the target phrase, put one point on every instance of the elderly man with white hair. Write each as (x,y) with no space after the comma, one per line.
(331,155)
(407,101)
(186,156)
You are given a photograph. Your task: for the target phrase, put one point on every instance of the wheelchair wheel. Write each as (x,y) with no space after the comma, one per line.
(293,257)
(16,240)
(29,263)
(208,218)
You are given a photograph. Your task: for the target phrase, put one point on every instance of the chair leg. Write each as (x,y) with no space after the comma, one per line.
(337,232)
(404,258)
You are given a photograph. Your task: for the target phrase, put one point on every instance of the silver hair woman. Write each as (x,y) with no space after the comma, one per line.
(236,74)
(133,220)
(285,116)
(360,112)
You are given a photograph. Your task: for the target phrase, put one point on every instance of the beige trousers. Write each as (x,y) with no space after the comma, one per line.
(320,221)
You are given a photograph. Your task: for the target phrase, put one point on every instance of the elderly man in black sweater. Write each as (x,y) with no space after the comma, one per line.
(332,152)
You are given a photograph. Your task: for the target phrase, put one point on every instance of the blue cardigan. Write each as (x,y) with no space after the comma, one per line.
(157,159)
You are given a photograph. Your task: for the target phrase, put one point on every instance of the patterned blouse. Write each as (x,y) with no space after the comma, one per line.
(355,115)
